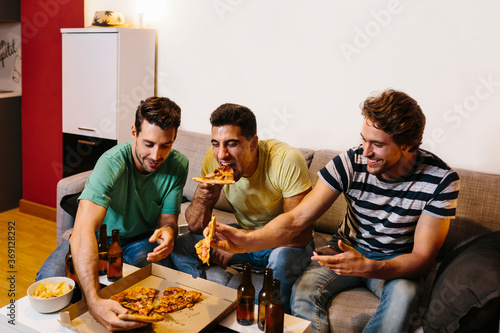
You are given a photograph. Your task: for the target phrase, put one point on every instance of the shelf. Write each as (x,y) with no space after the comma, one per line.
(9,94)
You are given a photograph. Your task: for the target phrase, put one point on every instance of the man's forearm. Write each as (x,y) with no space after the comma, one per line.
(85,258)
(279,232)
(198,214)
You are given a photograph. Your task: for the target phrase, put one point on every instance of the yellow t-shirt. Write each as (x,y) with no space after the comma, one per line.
(281,173)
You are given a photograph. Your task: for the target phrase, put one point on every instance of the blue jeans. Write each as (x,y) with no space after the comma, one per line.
(313,291)
(287,263)
(134,253)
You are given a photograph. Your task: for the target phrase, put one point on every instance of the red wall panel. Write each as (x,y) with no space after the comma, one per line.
(41,21)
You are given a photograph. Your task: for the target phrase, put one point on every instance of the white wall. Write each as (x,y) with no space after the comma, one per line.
(304,67)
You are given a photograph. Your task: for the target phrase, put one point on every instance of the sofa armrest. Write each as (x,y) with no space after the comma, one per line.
(66,186)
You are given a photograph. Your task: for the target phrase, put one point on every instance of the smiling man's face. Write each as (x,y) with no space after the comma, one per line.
(151,146)
(385,157)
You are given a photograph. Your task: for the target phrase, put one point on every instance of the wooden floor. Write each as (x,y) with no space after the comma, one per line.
(35,239)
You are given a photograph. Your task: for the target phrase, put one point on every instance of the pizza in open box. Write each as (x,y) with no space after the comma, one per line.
(139,301)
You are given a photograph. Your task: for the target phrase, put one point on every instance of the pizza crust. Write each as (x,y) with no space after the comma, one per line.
(213,181)
(146,319)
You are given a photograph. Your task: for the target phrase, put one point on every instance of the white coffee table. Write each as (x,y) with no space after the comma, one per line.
(28,320)
(292,324)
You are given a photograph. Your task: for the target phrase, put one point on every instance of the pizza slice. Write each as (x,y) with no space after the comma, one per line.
(175,299)
(170,291)
(139,303)
(222,175)
(203,246)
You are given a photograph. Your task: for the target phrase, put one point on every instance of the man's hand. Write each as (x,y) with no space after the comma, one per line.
(165,237)
(106,312)
(229,239)
(350,262)
(208,192)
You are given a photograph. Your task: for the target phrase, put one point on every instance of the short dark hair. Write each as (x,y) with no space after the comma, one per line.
(237,115)
(159,111)
(397,114)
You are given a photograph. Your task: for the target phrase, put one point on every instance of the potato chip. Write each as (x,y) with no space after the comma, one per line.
(48,289)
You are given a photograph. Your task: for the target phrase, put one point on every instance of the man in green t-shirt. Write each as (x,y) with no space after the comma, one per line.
(135,187)
(271,178)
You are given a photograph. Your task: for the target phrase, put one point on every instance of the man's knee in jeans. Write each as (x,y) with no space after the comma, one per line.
(184,244)
(55,264)
(136,253)
(289,261)
(405,293)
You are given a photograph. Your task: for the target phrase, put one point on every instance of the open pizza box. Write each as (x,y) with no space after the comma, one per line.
(216,303)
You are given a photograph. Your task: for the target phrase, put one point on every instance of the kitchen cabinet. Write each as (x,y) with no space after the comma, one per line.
(10,10)
(11,182)
(106,73)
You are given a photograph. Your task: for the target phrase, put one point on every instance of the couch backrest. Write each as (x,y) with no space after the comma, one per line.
(189,143)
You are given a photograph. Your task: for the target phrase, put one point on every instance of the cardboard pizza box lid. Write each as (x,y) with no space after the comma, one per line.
(217,302)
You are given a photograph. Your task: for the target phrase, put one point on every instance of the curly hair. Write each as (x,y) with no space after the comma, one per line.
(237,115)
(397,114)
(159,111)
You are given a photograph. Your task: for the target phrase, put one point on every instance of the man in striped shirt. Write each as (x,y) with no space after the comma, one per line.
(400,201)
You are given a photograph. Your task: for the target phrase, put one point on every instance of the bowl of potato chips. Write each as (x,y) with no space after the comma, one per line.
(51,294)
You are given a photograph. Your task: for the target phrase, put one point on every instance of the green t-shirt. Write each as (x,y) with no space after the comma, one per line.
(134,201)
(281,173)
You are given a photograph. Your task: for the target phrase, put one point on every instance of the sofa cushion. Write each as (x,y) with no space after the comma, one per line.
(478,211)
(466,292)
(70,203)
(351,310)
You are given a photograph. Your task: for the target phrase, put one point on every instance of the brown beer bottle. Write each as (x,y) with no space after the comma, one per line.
(102,248)
(115,257)
(275,314)
(71,273)
(70,268)
(246,298)
(264,297)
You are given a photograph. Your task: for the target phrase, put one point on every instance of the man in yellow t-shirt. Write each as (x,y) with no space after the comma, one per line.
(271,178)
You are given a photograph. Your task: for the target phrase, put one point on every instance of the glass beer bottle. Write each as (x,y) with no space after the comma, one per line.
(246,298)
(264,297)
(70,268)
(102,248)
(275,314)
(115,257)
(71,273)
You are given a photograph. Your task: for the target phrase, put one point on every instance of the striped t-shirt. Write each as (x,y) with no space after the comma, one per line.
(382,215)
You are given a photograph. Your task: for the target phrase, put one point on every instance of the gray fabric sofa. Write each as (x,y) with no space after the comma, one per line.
(478,213)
